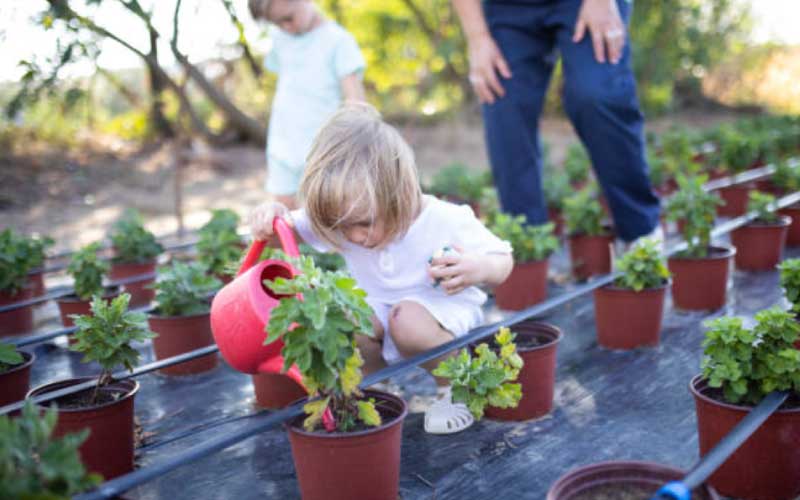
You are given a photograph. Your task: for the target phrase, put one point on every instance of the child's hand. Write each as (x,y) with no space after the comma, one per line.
(456,271)
(261,218)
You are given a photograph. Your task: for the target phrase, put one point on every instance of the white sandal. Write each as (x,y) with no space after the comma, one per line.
(446,417)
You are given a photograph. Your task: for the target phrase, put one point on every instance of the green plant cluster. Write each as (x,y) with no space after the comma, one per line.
(183,289)
(787,176)
(577,164)
(696,208)
(105,335)
(9,357)
(219,243)
(37,466)
(747,364)
(15,261)
(457,181)
(319,332)
(790,281)
(761,204)
(583,214)
(556,188)
(530,243)
(642,267)
(87,271)
(37,248)
(132,242)
(486,378)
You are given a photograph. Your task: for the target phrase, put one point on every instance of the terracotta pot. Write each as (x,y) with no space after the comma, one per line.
(18,320)
(36,281)
(759,247)
(590,255)
(71,304)
(557,219)
(793,234)
(538,374)
(524,287)
(605,478)
(345,466)
(735,198)
(109,447)
(140,294)
(767,465)
(700,283)
(180,334)
(14,382)
(627,319)
(767,186)
(275,391)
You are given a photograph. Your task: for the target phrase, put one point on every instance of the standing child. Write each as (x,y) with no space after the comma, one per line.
(318,65)
(361,197)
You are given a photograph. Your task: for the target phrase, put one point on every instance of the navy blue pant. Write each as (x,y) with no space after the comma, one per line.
(600,100)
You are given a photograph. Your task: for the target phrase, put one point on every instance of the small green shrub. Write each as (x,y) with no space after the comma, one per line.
(458,181)
(183,289)
(319,336)
(9,357)
(748,364)
(132,242)
(530,243)
(790,281)
(697,209)
(583,214)
(787,176)
(15,261)
(761,204)
(577,164)
(87,271)
(106,334)
(36,465)
(556,189)
(219,243)
(642,267)
(486,378)
(37,248)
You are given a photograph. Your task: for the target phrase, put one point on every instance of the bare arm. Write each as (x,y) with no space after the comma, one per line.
(352,88)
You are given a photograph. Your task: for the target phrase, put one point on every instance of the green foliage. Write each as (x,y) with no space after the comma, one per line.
(736,150)
(529,242)
(697,209)
(790,281)
(132,242)
(183,289)
(36,250)
(556,188)
(87,271)
(327,261)
(105,335)
(34,464)
(9,357)
(457,182)
(748,364)
(486,378)
(15,261)
(642,267)
(787,176)
(583,214)
(219,243)
(761,204)
(319,336)
(577,163)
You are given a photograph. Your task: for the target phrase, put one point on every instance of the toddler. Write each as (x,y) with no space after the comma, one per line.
(360,196)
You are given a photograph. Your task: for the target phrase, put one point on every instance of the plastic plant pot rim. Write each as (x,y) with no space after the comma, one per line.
(697,392)
(336,435)
(154,315)
(115,262)
(534,325)
(29,359)
(19,291)
(620,289)
(783,221)
(727,253)
(77,380)
(108,292)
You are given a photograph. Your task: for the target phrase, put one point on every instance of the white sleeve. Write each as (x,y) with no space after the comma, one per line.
(303,227)
(471,235)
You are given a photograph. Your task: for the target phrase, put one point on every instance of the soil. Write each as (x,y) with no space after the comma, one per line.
(528,341)
(83,399)
(623,492)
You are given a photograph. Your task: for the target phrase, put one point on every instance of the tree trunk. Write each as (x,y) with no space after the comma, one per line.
(159,123)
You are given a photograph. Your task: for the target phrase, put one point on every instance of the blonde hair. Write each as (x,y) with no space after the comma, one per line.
(258,8)
(358,162)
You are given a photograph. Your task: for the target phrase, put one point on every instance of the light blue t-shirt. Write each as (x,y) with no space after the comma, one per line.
(310,68)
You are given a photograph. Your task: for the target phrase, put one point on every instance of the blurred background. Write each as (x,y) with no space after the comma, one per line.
(162,105)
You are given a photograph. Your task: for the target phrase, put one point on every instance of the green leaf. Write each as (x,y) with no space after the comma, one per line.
(368,414)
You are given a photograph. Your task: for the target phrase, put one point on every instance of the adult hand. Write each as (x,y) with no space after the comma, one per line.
(601,18)
(485,62)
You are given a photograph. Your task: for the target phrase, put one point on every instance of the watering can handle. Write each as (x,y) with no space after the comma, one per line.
(286,237)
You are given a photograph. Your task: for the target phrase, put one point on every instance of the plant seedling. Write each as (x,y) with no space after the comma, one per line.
(9,357)
(530,243)
(132,242)
(642,267)
(761,204)
(183,289)
(697,209)
(583,214)
(87,271)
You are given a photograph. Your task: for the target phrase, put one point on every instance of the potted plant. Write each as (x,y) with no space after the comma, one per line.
(485,378)
(759,244)
(628,313)
(220,244)
(589,238)
(458,184)
(343,425)
(181,317)
(36,465)
(36,253)
(700,272)
(790,281)
(736,152)
(576,165)
(14,286)
(15,373)
(740,367)
(532,246)
(135,252)
(87,271)
(787,179)
(556,189)
(107,409)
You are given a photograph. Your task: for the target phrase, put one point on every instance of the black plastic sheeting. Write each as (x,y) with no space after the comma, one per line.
(608,406)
